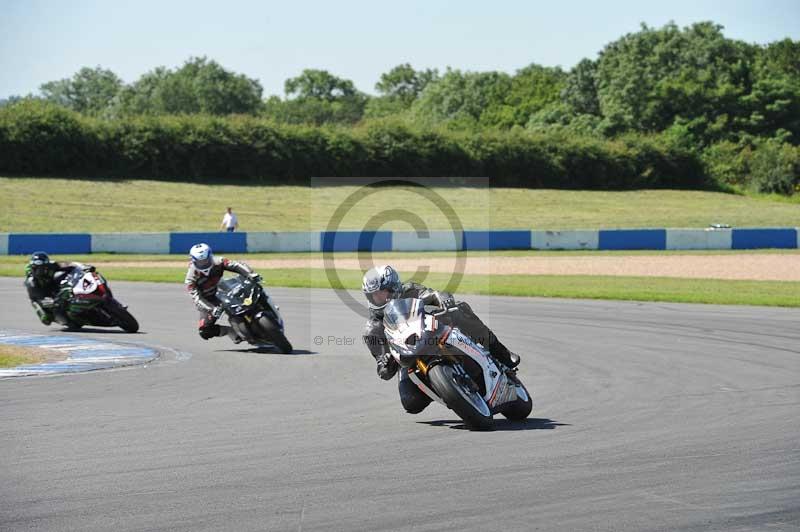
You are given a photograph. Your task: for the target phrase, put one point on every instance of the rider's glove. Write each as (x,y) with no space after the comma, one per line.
(387,367)
(446,300)
(89,268)
(255,277)
(216,312)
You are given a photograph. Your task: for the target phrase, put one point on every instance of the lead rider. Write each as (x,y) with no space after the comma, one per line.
(382,283)
(204,274)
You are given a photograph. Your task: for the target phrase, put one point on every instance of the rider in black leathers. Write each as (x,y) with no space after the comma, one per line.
(43,285)
(383,283)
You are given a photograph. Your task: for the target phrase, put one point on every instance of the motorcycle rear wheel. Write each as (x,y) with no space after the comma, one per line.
(468,404)
(275,335)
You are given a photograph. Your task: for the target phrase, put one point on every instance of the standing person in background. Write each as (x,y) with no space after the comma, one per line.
(230,222)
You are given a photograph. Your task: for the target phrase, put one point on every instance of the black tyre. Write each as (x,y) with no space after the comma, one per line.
(468,404)
(521,408)
(274,335)
(123,318)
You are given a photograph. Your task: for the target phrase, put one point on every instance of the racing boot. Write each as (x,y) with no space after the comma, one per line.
(471,324)
(44,316)
(224,330)
(501,352)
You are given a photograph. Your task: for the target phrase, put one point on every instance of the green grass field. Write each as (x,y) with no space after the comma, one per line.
(723,292)
(17,262)
(75,205)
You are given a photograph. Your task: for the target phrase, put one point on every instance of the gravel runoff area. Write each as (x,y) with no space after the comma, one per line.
(756,267)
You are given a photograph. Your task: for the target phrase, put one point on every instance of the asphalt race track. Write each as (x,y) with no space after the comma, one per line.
(646,417)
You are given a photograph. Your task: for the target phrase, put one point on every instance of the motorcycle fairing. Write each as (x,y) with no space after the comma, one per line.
(499,389)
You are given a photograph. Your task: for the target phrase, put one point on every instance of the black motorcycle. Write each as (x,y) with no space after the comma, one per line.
(251,312)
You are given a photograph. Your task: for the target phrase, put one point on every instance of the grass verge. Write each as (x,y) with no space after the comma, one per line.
(147,205)
(98,259)
(664,289)
(12,356)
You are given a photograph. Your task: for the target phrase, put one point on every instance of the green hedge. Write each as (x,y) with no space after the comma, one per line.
(42,139)
(759,165)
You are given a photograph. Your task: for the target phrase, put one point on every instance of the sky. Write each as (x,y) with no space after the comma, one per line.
(270,41)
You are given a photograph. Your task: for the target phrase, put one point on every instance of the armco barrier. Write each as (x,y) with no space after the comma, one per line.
(356,240)
(426,241)
(19,244)
(470,240)
(764,238)
(564,239)
(695,239)
(157,243)
(492,240)
(284,242)
(632,239)
(180,243)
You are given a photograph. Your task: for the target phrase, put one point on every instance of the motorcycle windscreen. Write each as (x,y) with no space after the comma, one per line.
(74,277)
(398,313)
(231,290)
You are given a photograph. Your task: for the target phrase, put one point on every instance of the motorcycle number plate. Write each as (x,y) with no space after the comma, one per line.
(86,285)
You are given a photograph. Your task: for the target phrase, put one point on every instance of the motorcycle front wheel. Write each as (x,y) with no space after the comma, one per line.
(521,408)
(275,335)
(467,403)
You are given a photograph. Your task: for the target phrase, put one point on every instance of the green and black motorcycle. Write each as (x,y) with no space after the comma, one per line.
(84,298)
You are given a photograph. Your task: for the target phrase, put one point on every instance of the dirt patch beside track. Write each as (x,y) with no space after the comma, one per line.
(31,355)
(757,267)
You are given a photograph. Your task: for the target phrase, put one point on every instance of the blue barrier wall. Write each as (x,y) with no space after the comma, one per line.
(356,241)
(611,239)
(486,240)
(19,244)
(180,243)
(764,238)
(632,239)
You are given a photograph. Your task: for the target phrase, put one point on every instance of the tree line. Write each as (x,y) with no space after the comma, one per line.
(733,106)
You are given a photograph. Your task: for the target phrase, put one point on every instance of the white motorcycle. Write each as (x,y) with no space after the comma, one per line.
(447,366)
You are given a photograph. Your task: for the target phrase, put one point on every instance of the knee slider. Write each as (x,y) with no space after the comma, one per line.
(209,332)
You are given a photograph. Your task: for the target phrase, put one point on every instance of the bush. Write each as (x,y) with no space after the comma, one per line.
(37,138)
(775,167)
(768,166)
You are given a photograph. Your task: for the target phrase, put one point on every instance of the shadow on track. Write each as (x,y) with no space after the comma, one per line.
(501,424)
(268,351)
(95,330)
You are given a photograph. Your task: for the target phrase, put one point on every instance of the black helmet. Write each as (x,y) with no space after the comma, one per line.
(377,279)
(39,261)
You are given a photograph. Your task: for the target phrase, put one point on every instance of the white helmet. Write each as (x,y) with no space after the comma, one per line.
(202,258)
(376,280)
